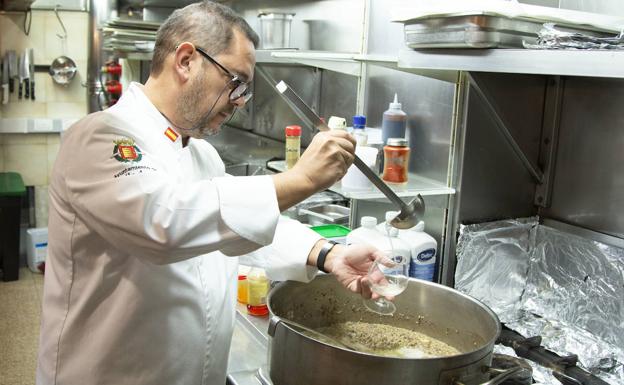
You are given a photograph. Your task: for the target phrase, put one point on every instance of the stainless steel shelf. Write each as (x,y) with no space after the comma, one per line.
(605,64)
(416,185)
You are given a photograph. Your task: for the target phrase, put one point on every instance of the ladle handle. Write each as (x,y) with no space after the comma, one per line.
(376,180)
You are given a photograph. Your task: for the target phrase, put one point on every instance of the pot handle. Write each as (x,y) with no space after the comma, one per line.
(273,322)
(502,376)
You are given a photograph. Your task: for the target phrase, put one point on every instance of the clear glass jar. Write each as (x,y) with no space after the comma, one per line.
(396,160)
(293,146)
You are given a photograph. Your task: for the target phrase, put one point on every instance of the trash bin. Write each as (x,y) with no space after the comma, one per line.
(12,191)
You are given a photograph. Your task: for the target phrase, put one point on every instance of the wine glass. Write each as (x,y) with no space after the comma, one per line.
(388,277)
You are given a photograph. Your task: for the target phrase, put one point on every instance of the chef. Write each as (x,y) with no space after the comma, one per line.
(145,226)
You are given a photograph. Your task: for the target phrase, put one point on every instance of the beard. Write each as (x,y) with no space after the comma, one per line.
(198,123)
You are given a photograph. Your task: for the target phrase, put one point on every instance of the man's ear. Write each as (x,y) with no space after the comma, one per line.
(182,60)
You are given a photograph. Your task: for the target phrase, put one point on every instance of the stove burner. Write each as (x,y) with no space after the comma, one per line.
(564,368)
(502,362)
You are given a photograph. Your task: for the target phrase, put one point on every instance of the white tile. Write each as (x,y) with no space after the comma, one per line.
(41,206)
(76,44)
(11,139)
(30,160)
(13,36)
(53,150)
(24,109)
(67,110)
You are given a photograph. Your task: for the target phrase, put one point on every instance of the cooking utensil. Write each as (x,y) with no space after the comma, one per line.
(26,71)
(62,70)
(411,213)
(31,72)
(438,311)
(23,73)
(5,79)
(12,69)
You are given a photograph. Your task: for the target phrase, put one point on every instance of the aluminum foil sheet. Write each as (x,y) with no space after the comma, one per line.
(493,263)
(541,281)
(552,38)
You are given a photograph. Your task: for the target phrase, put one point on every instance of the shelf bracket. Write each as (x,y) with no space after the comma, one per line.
(549,139)
(537,174)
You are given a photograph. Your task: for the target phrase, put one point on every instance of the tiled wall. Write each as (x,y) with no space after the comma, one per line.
(32,155)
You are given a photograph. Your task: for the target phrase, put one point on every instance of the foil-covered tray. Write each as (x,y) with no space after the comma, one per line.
(476,31)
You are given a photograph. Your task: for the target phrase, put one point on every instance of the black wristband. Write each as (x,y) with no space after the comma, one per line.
(320,261)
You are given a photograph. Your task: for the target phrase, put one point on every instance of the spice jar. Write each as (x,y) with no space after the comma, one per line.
(396,158)
(258,289)
(242,289)
(293,145)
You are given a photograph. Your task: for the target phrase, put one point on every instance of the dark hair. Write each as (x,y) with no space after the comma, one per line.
(208,24)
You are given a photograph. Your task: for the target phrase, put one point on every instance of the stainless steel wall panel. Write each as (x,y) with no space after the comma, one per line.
(334,25)
(338,95)
(588,188)
(429,105)
(519,101)
(609,7)
(494,182)
(385,37)
(271,114)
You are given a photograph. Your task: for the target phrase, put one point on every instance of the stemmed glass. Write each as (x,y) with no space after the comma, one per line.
(387,277)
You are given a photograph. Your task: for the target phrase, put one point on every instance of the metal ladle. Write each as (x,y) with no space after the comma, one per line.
(411,213)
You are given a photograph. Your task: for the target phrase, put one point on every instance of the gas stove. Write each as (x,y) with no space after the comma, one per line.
(563,368)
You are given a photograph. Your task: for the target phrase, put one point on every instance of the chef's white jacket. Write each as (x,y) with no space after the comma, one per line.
(139,288)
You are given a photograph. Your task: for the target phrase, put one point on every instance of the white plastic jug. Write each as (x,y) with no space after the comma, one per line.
(423,248)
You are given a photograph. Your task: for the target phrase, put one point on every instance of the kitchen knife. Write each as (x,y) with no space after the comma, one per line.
(5,79)
(12,70)
(31,62)
(26,69)
(22,75)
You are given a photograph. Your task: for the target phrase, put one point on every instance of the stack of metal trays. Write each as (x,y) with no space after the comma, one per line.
(124,35)
(477,31)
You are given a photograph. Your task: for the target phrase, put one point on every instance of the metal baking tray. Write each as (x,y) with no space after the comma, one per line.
(476,31)
(326,214)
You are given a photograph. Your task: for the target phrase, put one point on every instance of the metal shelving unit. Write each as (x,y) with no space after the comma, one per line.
(416,185)
(448,62)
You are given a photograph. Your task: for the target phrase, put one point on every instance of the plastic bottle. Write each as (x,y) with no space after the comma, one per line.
(386,241)
(422,246)
(423,251)
(337,123)
(394,121)
(364,233)
(293,145)
(359,125)
(258,289)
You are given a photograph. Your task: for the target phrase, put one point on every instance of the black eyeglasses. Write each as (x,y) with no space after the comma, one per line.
(240,89)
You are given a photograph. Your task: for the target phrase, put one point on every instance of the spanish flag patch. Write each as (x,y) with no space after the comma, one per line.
(172,135)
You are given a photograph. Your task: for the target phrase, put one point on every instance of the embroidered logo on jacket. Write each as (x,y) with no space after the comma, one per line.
(126,151)
(172,135)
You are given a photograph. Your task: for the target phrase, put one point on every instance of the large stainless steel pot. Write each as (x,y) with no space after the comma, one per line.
(436,310)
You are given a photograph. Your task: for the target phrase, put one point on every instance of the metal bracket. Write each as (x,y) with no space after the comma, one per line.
(550,139)
(537,174)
